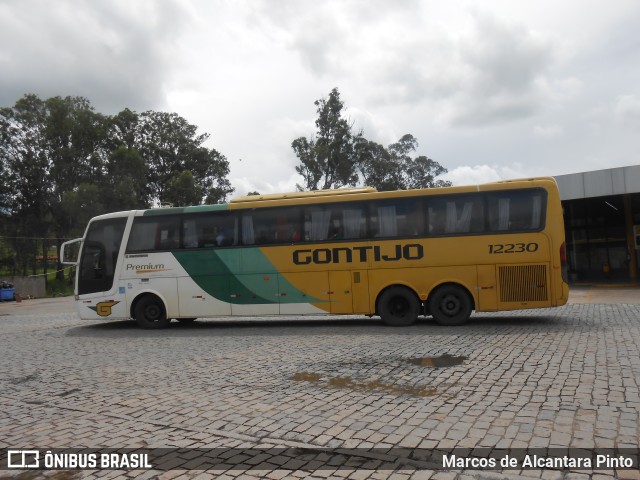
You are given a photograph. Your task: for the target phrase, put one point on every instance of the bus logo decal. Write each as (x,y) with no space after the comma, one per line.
(413,251)
(104,308)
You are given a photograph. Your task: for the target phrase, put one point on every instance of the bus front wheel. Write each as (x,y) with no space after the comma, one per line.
(150,313)
(398,306)
(450,305)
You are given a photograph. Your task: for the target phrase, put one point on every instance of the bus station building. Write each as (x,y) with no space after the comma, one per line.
(602,224)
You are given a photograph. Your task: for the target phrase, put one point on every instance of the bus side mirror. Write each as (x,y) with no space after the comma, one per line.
(70,252)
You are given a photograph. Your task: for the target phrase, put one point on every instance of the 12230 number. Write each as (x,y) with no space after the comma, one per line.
(513,247)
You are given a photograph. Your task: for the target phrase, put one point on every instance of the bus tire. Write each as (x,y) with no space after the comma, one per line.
(398,306)
(150,313)
(450,305)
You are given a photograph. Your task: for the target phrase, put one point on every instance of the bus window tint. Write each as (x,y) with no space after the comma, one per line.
(455,215)
(272,226)
(520,210)
(397,219)
(99,255)
(334,222)
(210,230)
(154,233)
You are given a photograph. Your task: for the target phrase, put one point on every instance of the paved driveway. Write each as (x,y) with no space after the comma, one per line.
(565,377)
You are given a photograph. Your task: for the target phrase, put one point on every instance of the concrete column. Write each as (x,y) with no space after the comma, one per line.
(628,220)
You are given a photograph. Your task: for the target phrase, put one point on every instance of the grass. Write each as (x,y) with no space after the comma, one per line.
(59,288)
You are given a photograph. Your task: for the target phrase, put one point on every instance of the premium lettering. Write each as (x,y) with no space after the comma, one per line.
(145,267)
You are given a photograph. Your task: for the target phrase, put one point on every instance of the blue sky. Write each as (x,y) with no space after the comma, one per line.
(491,89)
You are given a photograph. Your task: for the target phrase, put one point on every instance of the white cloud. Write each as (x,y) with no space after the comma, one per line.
(548,131)
(627,110)
(489,71)
(473,175)
(480,87)
(116,53)
(244,185)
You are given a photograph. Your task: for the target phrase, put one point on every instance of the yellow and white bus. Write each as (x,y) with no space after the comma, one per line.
(442,252)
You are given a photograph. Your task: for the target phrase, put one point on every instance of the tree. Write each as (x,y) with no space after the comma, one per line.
(82,204)
(377,166)
(337,157)
(170,145)
(62,163)
(25,161)
(183,190)
(76,147)
(23,150)
(419,172)
(393,168)
(125,183)
(329,160)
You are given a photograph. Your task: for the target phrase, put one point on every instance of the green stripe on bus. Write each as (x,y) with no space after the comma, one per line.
(220,273)
(194,209)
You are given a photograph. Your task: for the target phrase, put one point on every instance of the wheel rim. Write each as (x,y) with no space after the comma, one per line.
(399,306)
(153,312)
(450,305)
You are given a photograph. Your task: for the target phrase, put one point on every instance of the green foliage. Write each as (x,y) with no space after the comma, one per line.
(170,146)
(81,204)
(337,157)
(63,163)
(183,190)
(125,183)
(59,287)
(328,161)
(393,168)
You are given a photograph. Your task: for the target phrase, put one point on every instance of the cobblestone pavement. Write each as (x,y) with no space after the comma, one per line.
(565,377)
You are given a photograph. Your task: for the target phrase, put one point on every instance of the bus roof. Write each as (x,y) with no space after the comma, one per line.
(337,195)
(365,193)
(311,194)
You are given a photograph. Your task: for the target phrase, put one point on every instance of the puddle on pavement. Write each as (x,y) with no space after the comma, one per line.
(374,385)
(444,360)
(25,379)
(306,377)
(441,361)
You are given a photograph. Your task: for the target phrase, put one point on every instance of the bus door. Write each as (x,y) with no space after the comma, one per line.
(349,291)
(99,256)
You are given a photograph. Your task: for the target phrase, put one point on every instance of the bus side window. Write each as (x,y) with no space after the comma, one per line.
(168,237)
(436,220)
(154,233)
(520,210)
(272,226)
(207,230)
(335,222)
(190,234)
(456,215)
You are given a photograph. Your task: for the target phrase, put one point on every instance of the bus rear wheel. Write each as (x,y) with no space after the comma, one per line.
(450,305)
(150,313)
(398,306)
